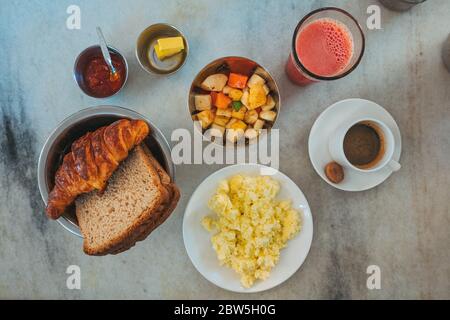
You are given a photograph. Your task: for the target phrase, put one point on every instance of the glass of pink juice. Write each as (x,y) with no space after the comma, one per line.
(328,44)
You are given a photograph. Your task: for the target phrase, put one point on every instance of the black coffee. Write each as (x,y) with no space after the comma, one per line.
(363,145)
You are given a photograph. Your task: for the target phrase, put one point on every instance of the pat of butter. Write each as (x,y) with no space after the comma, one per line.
(167,47)
(173,43)
(162,54)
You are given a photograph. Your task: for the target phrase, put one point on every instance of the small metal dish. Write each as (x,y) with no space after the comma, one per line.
(60,140)
(240,65)
(80,66)
(145,52)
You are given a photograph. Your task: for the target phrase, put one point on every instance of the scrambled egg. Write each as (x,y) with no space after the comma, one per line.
(251,226)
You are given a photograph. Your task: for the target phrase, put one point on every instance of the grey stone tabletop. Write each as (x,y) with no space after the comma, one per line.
(402,225)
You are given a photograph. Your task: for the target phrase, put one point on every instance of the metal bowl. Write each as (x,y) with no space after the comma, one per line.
(146,55)
(80,66)
(76,125)
(240,65)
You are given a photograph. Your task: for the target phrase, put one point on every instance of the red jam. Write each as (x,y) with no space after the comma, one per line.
(98,79)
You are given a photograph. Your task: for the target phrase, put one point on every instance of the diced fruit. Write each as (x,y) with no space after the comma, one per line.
(257,97)
(202,102)
(268,115)
(227,89)
(224,112)
(258,125)
(239,125)
(255,80)
(205,117)
(236,105)
(238,81)
(239,114)
(222,101)
(244,98)
(266,89)
(213,95)
(215,82)
(270,104)
(217,131)
(236,130)
(235,94)
(234,135)
(251,116)
(261,72)
(251,133)
(231,122)
(221,120)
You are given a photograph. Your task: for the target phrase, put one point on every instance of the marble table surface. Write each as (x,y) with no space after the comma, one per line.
(402,225)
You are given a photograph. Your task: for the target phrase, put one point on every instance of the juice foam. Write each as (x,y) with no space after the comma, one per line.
(325,47)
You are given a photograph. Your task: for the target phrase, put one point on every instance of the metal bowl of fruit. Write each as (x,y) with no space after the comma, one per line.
(234,99)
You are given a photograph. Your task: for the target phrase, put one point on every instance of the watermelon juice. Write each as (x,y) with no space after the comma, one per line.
(323,49)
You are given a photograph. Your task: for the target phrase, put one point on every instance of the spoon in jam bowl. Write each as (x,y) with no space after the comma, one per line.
(114,76)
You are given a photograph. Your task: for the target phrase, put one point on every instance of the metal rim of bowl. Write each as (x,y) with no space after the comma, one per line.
(165,73)
(278,105)
(114,50)
(81,115)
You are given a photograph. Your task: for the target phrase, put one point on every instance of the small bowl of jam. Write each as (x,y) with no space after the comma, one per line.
(93,76)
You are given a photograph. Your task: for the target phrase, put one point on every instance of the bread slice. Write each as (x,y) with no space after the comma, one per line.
(154,221)
(132,204)
(158,217)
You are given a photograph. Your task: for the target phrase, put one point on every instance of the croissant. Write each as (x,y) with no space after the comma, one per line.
(93,159)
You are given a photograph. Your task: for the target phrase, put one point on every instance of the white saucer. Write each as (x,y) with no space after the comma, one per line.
(326,124)
(198,241)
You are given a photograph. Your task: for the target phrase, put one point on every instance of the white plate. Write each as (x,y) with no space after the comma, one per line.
(198,241)
(327,123)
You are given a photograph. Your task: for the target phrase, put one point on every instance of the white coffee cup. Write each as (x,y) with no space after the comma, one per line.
(336,146)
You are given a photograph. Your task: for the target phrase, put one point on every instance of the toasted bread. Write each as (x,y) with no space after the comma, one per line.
(154,221)
(134,203)
(157,218)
